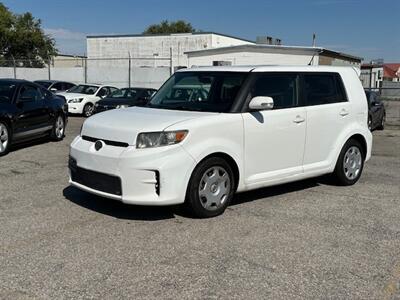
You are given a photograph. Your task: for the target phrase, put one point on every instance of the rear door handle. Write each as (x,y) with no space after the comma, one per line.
(298,119)
(344,112)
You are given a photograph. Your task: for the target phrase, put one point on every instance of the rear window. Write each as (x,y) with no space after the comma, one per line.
(324,88)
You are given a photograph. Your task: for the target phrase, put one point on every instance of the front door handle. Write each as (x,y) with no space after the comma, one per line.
(298,119)
(344,112)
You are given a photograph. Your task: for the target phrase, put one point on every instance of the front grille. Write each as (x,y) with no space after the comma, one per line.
(95,180)
(107,142)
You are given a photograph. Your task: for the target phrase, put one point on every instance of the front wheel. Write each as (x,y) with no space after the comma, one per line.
(5,139)
(350,163)
(211,188)
(88,110)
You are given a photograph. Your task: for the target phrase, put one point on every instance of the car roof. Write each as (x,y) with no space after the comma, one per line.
(267,68)
(46,80)
(13,80)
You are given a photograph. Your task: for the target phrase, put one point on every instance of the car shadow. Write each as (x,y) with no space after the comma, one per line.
(276,190)
(120,210)
(29,143)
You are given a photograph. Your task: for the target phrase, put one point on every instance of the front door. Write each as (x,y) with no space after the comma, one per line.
(274,139)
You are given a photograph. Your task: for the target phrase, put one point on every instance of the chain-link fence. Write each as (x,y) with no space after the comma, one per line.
(119,72)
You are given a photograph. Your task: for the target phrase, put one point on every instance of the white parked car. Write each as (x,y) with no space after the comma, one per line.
(256,127)
(82,98)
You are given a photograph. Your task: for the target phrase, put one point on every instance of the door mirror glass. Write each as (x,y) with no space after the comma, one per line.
(261,103)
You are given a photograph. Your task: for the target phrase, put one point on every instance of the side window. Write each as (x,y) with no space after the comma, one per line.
(230,87)
(131,93)
(46,94)
(68,85)
(323,89)
(280,87)
(103,92)
(29,93)
(58,86)
(112,89)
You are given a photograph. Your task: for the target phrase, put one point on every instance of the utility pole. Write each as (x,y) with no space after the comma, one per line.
(314,37)
(170,61)
(48,66)
(129,69)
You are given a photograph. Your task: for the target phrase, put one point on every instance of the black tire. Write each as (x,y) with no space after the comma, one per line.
(88,109)
(58,131)
(370,123)
(224,189)
(5,133)
(382,125)
(341,173)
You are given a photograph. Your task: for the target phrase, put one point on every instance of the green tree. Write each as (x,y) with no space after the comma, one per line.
(165,26)
(23,40)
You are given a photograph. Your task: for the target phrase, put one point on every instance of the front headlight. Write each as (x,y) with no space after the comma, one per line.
(158,139)
(122,106)
(76,100)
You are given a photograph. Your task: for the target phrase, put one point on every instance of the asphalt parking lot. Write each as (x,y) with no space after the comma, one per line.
(308,239)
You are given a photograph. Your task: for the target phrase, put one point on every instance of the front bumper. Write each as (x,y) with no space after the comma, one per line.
(156,176)
(75,108)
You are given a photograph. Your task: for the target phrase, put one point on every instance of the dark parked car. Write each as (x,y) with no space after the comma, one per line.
(125,97)
(29,111)
(376,111)
(55,86)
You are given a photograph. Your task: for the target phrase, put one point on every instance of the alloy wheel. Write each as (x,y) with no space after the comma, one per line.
(4,138)
(59,127)
(88,110)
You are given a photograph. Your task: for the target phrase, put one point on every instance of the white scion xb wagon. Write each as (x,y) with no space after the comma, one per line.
(210,132)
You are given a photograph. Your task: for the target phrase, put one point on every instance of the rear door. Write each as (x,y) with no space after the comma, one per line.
(328,112)
(32,117)
(274,139)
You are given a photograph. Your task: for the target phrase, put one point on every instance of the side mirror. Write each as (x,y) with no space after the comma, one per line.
(261,103)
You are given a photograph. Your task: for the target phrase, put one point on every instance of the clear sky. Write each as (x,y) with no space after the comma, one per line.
(366,28)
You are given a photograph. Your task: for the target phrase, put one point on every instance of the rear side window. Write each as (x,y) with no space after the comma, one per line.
(324,88)
(282,88)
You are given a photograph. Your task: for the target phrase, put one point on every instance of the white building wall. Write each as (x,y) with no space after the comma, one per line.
(253,58)
(156,48)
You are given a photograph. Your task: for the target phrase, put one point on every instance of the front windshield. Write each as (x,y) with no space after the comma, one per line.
(124,93)
(44,84)
(199,91)
(6,91)
(83,89)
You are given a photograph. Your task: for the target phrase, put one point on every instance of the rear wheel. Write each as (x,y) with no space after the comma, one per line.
(382,125)
(88,109)
(5,139)
(350,163)
(210,188)
(57,133)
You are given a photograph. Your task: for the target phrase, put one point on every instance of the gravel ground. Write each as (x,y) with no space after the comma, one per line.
(305,240)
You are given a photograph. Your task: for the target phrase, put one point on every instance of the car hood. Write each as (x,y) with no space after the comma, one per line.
(123,125)
(69,96)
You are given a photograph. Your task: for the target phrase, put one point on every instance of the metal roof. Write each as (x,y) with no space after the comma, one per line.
(267,48)
(267,68)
